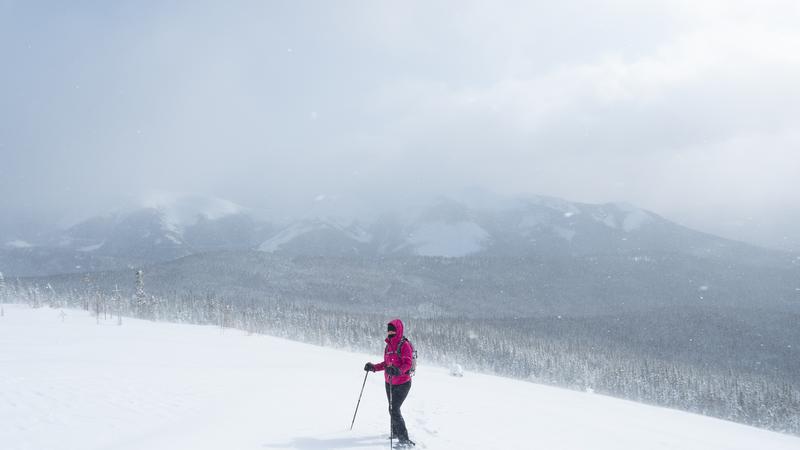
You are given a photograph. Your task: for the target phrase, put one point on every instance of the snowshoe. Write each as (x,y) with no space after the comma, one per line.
(404,443)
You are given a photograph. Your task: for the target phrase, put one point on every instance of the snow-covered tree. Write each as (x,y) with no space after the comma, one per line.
(116,301)
(2,295)
(52,299)
(140,300)
(34,296)
(87,281)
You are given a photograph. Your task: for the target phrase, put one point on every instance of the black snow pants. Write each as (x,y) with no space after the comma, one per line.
(399,393)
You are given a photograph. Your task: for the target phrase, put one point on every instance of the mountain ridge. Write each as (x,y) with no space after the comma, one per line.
(444,227)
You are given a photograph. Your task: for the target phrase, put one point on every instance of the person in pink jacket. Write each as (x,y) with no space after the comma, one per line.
(397,359)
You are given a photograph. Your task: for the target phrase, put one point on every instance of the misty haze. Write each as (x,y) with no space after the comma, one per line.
(574,225)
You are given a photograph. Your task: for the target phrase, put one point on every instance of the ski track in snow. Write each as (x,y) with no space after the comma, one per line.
(78,385)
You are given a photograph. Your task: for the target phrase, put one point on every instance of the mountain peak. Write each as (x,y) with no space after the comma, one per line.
(182,210)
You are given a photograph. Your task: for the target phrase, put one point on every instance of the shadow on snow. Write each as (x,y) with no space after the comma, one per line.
(307,443)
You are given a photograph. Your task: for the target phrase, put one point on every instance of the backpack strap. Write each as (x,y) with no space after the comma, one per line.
(400,346)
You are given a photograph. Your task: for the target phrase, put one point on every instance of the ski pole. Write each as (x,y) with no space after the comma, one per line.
(359,400)
(391,416)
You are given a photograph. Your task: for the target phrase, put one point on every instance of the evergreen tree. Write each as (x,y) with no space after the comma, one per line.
(87,280)
(140,300)
(116,301)
(2,295)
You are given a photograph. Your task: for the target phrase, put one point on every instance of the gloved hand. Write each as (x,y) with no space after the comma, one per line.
(393,371)
(369,367)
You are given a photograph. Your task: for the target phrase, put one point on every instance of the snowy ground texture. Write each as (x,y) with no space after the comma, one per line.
(82,386)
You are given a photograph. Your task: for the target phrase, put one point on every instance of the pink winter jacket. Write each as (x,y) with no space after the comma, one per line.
(390,357)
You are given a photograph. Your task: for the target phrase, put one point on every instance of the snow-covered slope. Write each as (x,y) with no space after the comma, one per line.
(447,239)
(319,236)
(18,243)
(69,383)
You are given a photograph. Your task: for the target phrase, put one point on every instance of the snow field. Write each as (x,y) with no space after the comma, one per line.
(143,385)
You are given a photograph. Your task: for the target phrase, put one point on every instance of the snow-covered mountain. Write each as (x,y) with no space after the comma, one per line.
(166,227)
(541,226)
(450,228)
(160,227)
(149,385)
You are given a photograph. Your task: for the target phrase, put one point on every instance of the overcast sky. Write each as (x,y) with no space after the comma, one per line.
(687,108)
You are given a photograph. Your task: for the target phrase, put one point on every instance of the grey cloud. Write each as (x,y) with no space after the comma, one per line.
(272,104)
